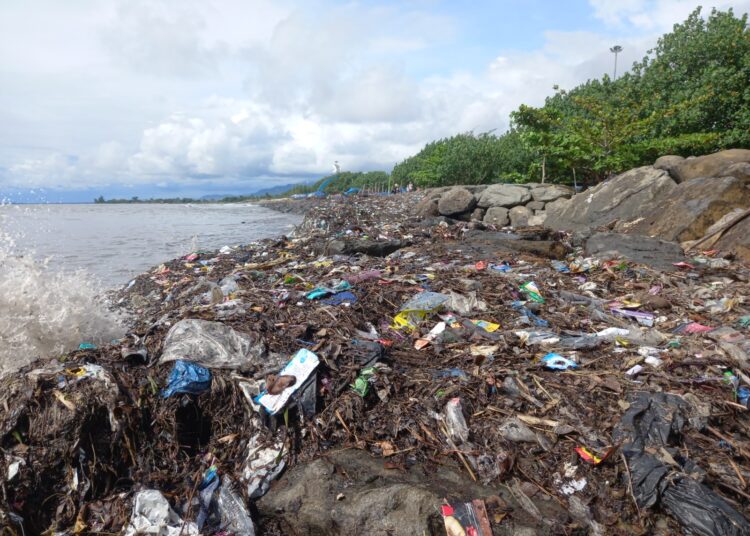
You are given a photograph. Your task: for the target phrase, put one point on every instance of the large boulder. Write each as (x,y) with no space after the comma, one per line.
(690,209)
(537,219)
(519,216)
(535,205)
(373,248)
(497,216)
(456,201)
(551,192)
(737,240)
(740,170)
(624,197)
(349,492)
(659,254)
(504,195)
(710,165)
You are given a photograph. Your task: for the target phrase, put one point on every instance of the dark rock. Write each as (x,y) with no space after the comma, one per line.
(427,208)
(737,240)
(456,201)
(710,165)
(504,195)
(497,244)
(740,170)
(535,205)
(437,220)
(690,209)
(668,162)
(436,193)
(550,192)
(624,197)
(349,492)
(519,216)
(658,254)
(373,248)
(475,189)
(497,216)
(478,214)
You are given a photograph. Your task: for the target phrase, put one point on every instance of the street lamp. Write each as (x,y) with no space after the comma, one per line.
(616,50)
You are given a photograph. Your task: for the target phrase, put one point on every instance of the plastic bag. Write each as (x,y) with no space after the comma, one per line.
(187,377)
(211,344)
(153,515)
(654,421)
(418,308)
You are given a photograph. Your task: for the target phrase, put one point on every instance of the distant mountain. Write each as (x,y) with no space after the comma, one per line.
(278,190)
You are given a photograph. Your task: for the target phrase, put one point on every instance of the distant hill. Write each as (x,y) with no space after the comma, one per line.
(278,190)
(272,191)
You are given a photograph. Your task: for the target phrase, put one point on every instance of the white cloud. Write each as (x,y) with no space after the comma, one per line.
(235,93)
(656,15)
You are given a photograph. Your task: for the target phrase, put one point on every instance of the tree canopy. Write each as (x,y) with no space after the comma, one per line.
(689,95)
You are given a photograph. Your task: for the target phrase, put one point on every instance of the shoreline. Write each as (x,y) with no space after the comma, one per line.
(334,288)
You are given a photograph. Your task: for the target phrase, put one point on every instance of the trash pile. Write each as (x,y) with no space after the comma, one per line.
(564,393)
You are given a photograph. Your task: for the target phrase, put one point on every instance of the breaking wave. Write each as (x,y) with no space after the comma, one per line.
(45,312)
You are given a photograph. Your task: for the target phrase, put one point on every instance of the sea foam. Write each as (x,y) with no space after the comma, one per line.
(46,312)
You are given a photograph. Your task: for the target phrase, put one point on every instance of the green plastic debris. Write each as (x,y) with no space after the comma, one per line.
(361,385)
(673,344)
(744,321)
(532,291)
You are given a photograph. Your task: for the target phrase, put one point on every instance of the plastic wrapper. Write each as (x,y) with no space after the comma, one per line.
(233,515)
(455,422)
(341,298)
(301,366)
(558,362)
(643,318)
(262,465)
(464,519)
(465,304)
(152,515)
(532,292)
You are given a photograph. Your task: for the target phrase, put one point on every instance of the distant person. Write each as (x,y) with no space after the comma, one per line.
(410,188)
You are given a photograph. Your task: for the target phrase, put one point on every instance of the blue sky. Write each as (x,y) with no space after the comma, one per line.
(191,97)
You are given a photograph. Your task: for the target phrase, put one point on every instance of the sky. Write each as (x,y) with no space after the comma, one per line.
(166,98)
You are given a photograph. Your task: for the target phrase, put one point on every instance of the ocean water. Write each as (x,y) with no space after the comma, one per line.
(57,261)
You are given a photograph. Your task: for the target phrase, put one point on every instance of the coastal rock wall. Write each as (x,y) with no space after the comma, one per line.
(497,204)
(676,199)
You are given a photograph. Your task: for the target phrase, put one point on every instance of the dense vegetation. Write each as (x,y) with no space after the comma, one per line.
(689,95)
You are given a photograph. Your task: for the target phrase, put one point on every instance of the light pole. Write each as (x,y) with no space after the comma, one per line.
(616,50)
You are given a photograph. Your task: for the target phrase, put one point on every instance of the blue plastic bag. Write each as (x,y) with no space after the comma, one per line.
(187,377)
(340,298)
